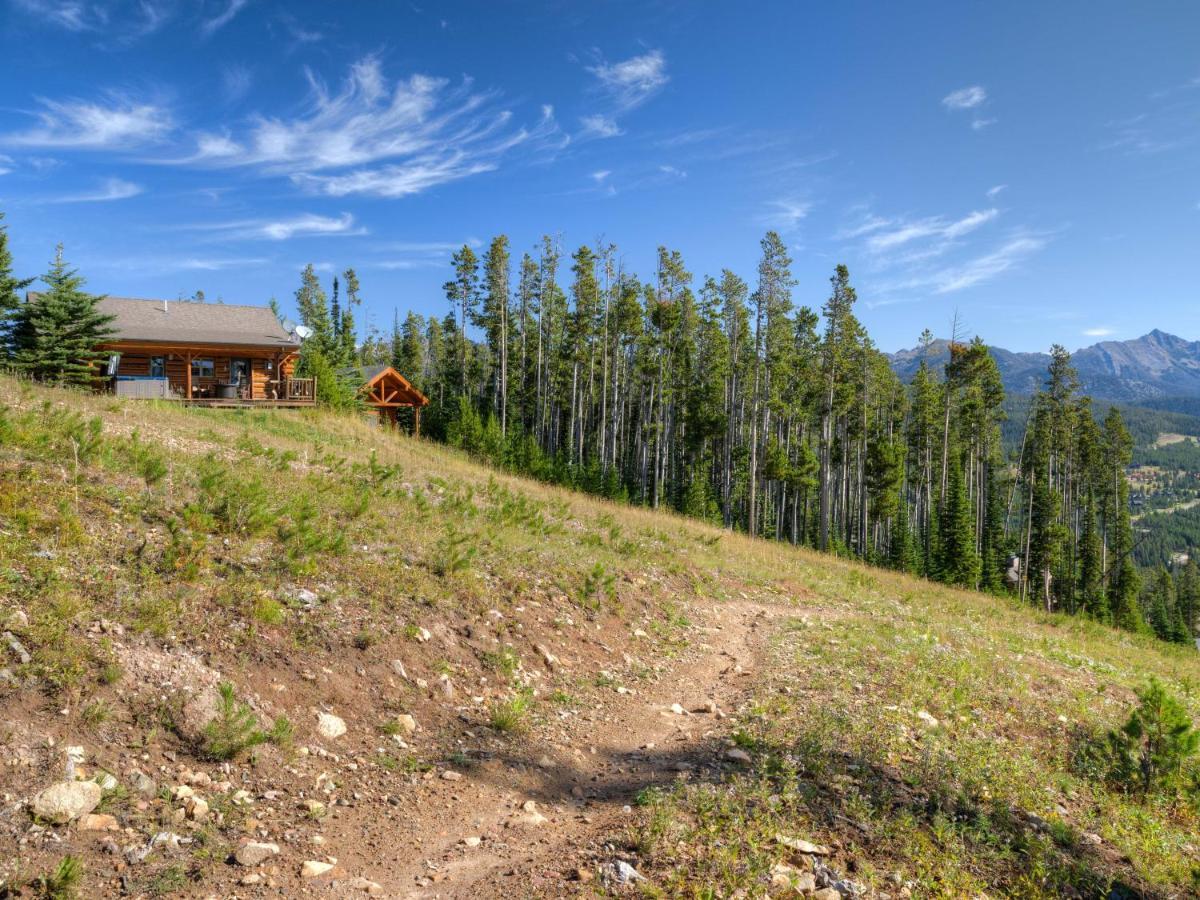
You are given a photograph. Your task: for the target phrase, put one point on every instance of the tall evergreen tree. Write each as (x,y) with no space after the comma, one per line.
(10,294)
(57,332)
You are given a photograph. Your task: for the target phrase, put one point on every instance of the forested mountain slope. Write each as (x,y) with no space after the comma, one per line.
(257,654)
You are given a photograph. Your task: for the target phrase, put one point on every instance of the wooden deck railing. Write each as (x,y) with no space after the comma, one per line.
(301,390)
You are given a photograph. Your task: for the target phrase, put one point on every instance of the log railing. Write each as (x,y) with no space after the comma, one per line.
(301,390)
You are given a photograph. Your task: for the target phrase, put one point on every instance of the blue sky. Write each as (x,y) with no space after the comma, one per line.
(1034,166)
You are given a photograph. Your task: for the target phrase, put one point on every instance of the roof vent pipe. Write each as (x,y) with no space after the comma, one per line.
(164,304)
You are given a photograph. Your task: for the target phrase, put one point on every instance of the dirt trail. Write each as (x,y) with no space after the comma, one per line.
(579,773)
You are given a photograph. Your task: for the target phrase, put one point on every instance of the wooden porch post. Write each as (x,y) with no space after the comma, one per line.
(187,376)
(416,421)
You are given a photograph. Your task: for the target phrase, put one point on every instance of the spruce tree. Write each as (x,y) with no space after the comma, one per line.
(10,293)
(957,562)
(57,333)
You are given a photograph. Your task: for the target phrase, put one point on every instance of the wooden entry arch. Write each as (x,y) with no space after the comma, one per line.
(385,391)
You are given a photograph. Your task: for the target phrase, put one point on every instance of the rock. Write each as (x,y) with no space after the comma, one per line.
(398,668)
(802,846)
(407,723)
(472,841)
(620,872)
(446,686)
(252,853)
(827,894)
(738,755)
(67,800)
(251,879)
(196,712)
(450,775)
(99,822)
(678,710)
(314,868)
(366,884)
(582,875)
(927,719)
(306,598)
(143,784)
(708,706)
(75,758)
(547,657)
(1089,837)
(17,648)
(330,726)
(197,809)
(529,815)
(423,635)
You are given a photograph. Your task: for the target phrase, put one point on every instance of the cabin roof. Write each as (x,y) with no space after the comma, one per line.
(186,322)
(368,376)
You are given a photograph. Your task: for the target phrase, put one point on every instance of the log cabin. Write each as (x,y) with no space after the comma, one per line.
(210,354)
(386,392)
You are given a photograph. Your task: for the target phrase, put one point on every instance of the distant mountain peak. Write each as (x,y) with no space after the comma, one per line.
(1157,364)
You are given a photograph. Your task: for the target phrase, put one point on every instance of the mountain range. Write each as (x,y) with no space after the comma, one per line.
(1156,369)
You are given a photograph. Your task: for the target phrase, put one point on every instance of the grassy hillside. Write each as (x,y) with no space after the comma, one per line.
(535,687)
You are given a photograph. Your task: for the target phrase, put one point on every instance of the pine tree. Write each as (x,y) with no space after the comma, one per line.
(348,339)
(56,334)
(957,563)
(10,294)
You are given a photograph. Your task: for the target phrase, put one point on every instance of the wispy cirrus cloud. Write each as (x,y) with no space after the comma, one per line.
(6,164)
(889,235)
(304,225)
(1099,331)
(379,138)
(110,189)
(916,257)
(228,13)
(116,122)
(121,21)
(623,86)
(785,214)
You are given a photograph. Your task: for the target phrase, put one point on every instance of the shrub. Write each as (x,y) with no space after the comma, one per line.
(1149,752)
(1151,748)
(233,729)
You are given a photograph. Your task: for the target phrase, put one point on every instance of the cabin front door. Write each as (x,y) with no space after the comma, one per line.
(239,371)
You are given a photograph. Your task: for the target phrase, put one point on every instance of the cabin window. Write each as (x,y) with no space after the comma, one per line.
(158,367)
(203,368)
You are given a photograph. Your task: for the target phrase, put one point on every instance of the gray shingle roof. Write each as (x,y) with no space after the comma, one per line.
(180,321)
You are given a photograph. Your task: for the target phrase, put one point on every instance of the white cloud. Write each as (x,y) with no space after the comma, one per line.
(632,81)
(6,164)
(980,124)
(786,214)
(110,189)
(121,21)
(211,26)
(1100,331)
(965,98)
(600,126)
(889,236)
(205,264)
(597,177)
(674,172)
(378,138)
(994,192)
(624,86)
(305,225)
(117,123)
(986,267)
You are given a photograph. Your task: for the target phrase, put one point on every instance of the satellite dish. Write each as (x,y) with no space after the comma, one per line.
(303,332)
